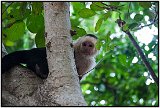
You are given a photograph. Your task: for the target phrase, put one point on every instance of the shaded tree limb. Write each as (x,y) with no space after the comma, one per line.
(144,59)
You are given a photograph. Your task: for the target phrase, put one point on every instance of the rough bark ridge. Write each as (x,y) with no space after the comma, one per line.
(61,88)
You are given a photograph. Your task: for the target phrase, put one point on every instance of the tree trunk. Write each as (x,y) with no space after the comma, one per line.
(61,88)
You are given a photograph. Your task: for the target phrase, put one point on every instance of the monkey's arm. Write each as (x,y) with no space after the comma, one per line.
(35,60)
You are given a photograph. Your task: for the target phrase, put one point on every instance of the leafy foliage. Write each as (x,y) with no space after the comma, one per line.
(86,13)
(98,24)
(11,32)
(120,79)
(35,23)
(19,20)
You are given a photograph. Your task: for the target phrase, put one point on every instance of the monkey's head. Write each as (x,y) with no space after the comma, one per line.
(88,45)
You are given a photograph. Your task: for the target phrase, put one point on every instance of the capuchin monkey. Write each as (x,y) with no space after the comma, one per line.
(36,59)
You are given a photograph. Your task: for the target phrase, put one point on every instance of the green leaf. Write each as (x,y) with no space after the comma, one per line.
(9,43)
(149,13)
(123,59)
(107,15)
(145,4)
(138,17)
(98,44)
(112,46)
(15,31)
(24,11)
(77,6)
(86,13)
(135,6)
(74,22)
(133,25)
(98,24)
(107,48)
(99,4)
(114,3)
(37,7)
(125,27)
(95,6)
(40,39)
(20,13)
(80,32)
(108,39)
(3,7)
(16,13)
(35,22)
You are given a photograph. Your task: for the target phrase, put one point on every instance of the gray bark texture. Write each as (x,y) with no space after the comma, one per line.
(21,87)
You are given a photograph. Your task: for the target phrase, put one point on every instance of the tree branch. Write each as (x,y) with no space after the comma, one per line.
(109,7)
(144,59)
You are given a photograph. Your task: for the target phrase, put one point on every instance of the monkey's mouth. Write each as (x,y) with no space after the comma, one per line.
(87,52)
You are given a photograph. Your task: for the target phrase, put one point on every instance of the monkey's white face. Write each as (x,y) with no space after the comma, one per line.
(88,46)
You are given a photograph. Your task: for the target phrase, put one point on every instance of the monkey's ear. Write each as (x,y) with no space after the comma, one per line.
(73,32)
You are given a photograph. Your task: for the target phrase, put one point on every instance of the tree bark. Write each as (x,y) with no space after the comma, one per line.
(62,85)
(21,87)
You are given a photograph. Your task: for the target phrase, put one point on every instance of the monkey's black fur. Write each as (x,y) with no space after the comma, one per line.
(35,60)
(91,35)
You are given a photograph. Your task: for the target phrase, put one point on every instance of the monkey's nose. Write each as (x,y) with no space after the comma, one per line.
(87,44)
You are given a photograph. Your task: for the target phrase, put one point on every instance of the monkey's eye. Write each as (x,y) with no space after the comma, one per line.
(87,44)
(90,45)
(84,44)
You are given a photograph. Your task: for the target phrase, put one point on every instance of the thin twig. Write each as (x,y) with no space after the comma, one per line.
(146,25)
(7,7)
(153,22)
(112,8)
